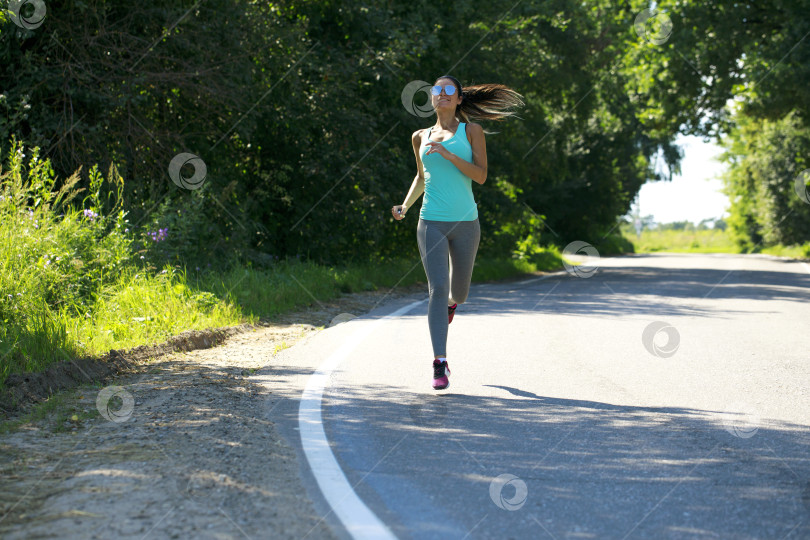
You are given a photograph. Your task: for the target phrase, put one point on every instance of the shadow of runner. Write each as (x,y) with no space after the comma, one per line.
(591,469)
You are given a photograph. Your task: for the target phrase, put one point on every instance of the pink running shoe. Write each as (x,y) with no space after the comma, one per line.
(450,312)
(440,373)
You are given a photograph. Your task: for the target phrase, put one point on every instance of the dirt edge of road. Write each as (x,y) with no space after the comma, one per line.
(23,390)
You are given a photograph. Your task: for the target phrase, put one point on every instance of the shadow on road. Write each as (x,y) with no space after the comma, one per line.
(589,469)
(641,290)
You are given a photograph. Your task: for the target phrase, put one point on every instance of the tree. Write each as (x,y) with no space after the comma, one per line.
(765,157)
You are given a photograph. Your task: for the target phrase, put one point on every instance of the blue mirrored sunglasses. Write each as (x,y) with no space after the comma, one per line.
(449,89)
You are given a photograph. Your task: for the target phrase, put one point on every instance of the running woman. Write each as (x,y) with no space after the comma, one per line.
(449,157)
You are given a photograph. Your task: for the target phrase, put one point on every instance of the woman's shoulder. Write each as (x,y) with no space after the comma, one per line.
(417,135)
(473,130)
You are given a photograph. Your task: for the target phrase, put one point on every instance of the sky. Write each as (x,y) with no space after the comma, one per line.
(693,195)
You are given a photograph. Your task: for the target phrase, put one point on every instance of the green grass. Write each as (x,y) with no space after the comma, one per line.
(143,309)
(72,281)
(794,252)
(704,241)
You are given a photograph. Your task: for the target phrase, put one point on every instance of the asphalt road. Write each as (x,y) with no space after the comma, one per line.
(665,396)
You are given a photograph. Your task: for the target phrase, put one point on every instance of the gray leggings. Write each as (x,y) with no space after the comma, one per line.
(447,284)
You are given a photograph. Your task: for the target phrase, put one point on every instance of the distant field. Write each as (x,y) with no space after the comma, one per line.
(706,241)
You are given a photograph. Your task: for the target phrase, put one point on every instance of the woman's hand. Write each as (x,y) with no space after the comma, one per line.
(439,148)
(398,212)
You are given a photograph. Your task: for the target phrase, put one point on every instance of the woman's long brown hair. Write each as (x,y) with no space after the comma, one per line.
(485,101)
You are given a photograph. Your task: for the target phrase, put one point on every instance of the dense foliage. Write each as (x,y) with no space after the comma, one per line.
(767,159)
(296,109)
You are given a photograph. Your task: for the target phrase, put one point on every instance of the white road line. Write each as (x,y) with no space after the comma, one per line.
(356,517)
(806,267)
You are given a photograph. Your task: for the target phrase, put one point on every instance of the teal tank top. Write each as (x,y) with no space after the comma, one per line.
(448,192)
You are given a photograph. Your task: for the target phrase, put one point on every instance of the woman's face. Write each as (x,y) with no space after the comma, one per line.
(443,100)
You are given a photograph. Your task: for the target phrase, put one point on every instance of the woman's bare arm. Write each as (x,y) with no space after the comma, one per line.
(418,184)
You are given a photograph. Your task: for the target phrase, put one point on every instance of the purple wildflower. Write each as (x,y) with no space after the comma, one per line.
(159,235)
